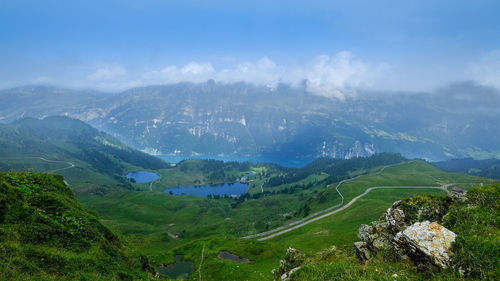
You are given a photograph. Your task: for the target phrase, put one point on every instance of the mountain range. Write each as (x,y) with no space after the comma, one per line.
(217,119)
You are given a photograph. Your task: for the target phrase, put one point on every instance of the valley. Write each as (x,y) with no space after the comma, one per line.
(309,208)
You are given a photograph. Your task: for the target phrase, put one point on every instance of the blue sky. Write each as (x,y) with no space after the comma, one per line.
(113,45)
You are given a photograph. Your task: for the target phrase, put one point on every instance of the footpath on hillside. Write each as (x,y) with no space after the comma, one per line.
(337,208)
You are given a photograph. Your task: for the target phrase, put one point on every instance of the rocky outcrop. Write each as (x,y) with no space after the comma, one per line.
(426,242)
(395,217)
(362,251)
(289,265)
(379,234)
(457,193)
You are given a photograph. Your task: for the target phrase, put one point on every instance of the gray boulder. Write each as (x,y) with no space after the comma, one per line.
(426,242)
(458,194)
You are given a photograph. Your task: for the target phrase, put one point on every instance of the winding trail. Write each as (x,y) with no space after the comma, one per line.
(336,208)
(201,261)
(151,184)
(324,210)
(71,165)
(443,187)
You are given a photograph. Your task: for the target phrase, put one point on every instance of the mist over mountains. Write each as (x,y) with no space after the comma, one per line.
(460,120)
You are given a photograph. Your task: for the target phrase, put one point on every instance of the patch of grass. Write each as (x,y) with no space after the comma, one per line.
(425,207)
(477,224)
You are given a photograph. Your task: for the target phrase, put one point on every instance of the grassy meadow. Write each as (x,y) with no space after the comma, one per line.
(162,225)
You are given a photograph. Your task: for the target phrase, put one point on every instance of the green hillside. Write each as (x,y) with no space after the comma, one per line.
(45,234)
(88,159)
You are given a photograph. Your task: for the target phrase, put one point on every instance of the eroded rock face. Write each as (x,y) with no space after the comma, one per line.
(395,217)
(426,241)
(376,236)
(365,231)
(362,251)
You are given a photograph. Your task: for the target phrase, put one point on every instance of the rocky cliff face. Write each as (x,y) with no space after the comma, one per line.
(243,119)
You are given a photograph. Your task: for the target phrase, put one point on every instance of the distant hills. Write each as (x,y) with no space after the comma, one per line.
(488,168)
(288,122)
(58,143)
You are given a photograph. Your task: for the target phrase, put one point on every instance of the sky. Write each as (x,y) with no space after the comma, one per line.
(334,45)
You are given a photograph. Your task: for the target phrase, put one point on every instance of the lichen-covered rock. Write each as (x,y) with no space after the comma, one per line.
(395,217)
(364,232)
(458,194)
(423,242)
(381,242)
(426,242)
(377,236)
(362,251)
(381,225)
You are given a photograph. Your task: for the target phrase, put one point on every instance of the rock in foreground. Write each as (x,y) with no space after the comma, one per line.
(426,241)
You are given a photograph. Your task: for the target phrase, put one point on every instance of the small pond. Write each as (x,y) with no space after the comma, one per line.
(231,189)
(231,257)
(142,176)
(178,270)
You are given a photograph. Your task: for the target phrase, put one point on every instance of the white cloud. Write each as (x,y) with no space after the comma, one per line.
(335,76)
(192,72)
(197,69)
(328,76)
(107,73)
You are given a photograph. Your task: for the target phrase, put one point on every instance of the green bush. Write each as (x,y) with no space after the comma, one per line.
(425,207)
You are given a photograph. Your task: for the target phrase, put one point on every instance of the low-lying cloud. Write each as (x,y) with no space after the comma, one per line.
(333,76)
(327,76)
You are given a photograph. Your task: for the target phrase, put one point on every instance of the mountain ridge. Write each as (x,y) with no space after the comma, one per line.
(243,119)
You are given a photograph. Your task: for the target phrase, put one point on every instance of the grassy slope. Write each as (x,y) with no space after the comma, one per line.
(45,234)
(100,160)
